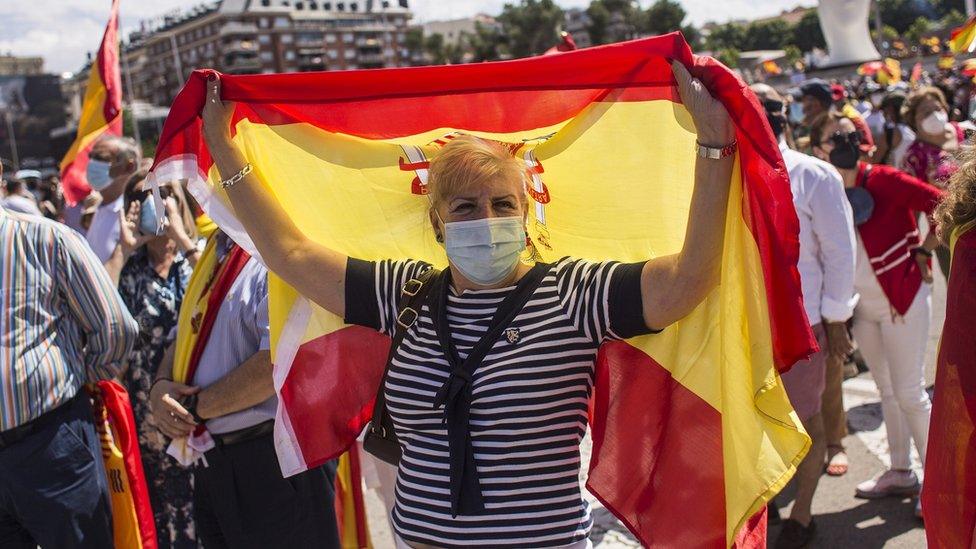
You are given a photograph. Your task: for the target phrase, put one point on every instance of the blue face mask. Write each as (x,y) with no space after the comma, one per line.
(485,250)
(796,113)
(148,224)
(97,174)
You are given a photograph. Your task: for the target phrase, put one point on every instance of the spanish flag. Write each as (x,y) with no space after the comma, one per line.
(962,39)
(101,111)
(949,497)
(692,430)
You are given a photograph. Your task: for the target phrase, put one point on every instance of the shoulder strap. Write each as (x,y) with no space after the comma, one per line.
(506,312)
(412,297)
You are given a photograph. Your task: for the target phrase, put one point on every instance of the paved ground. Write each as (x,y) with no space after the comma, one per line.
(843,521)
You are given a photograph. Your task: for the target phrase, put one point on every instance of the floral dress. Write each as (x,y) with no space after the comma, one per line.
(155,304)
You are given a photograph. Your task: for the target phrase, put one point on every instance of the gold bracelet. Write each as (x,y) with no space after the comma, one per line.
(228,183)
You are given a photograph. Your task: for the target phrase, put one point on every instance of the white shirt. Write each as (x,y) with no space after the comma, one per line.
(103,233)
(875,121)
(827,241)
(21,204)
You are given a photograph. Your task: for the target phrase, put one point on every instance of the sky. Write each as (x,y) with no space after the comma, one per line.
(63,31)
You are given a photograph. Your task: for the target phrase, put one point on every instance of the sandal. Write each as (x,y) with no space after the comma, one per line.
(836,461)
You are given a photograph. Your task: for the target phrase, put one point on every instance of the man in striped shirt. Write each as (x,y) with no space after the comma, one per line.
(62,324)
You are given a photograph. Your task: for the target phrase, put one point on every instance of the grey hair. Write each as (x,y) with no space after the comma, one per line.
(128,148)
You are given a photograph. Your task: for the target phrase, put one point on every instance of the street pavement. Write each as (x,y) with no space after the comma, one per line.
(843,521)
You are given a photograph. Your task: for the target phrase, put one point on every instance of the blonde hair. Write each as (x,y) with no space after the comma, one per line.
(915,99)
(958,206)
(468,160)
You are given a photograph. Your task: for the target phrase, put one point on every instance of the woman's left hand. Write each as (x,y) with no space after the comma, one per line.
(712,121)
(173,223)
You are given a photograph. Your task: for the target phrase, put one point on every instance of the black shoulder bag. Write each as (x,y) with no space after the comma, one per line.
(380,439)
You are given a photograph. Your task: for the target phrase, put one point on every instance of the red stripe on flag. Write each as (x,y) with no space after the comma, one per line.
(657,450)
(330,388)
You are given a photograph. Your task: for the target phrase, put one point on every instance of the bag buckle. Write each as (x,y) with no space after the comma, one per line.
(407,317)
(381,433)
(412,286)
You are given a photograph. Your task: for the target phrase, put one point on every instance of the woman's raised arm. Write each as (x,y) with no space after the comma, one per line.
(315,271)
(672,286)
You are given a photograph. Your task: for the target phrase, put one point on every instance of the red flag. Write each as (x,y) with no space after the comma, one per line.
(949,497)
(101,111)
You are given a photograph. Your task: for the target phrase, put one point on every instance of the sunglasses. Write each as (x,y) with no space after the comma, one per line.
(139,196)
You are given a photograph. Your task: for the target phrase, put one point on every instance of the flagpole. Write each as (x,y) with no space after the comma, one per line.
(176,58)
(128,85)
(13,139)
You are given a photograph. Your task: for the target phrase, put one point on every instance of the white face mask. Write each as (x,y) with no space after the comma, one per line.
(935,123)
(97,174)
(485,250)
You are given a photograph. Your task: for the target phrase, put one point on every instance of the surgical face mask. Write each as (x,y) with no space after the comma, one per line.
(846,151)
(485,250)
(935,123)
(97,174)
(796,113)
(148,224)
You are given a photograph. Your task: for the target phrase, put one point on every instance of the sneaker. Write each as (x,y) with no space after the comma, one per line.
(795,535)
(890,483)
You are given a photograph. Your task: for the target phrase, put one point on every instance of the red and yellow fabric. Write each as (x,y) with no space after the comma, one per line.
(946,61)
(949,497)
(692,430)
(132,517)
(349,502)
(962,39)
(916,75)
(890,73)
(101,111)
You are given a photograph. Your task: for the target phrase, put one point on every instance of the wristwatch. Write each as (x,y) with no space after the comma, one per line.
(716,153)
(190,404)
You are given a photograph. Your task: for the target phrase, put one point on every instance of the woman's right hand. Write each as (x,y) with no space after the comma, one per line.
(130,239)
(216,115)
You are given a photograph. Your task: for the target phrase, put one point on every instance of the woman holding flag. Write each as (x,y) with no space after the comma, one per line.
(498,473)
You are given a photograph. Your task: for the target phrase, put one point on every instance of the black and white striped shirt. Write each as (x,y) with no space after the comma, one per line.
(529,399)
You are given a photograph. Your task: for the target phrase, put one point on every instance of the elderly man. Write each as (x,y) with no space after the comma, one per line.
(826,267)
(62,324)
(112,161)
(225,384)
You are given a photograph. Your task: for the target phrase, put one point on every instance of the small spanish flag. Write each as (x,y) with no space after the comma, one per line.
(947,61)
(771,67)
(101,111)
(890,72)
(963,38)
(916,74)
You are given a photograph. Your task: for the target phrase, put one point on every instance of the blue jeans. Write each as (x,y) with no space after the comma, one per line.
(53,490)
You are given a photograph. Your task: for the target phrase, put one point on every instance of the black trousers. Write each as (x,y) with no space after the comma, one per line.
(53,490)
(240,500)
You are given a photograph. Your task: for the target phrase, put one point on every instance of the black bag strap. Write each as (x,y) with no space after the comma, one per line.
(455,394)
(889,133)
(412,297)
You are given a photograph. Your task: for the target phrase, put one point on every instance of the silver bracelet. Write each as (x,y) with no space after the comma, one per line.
(228,183)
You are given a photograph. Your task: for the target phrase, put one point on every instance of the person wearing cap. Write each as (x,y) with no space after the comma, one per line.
(819,97)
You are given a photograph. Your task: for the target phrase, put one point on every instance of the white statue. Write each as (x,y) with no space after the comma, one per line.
(845,26)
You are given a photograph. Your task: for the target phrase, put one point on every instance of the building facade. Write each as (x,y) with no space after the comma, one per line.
(262,36)
(11,65)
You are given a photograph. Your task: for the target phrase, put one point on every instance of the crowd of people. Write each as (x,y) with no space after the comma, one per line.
(166,303)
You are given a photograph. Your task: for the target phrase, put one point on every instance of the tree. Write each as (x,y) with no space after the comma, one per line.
(900,14)
(693,36)
(663,16)
(531,26)
(766,35)
(434,48)
(807,33)
(917,30)
(613,20)
(792,54)
(952,20)
(729,35)
(486,44)
(729,57)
